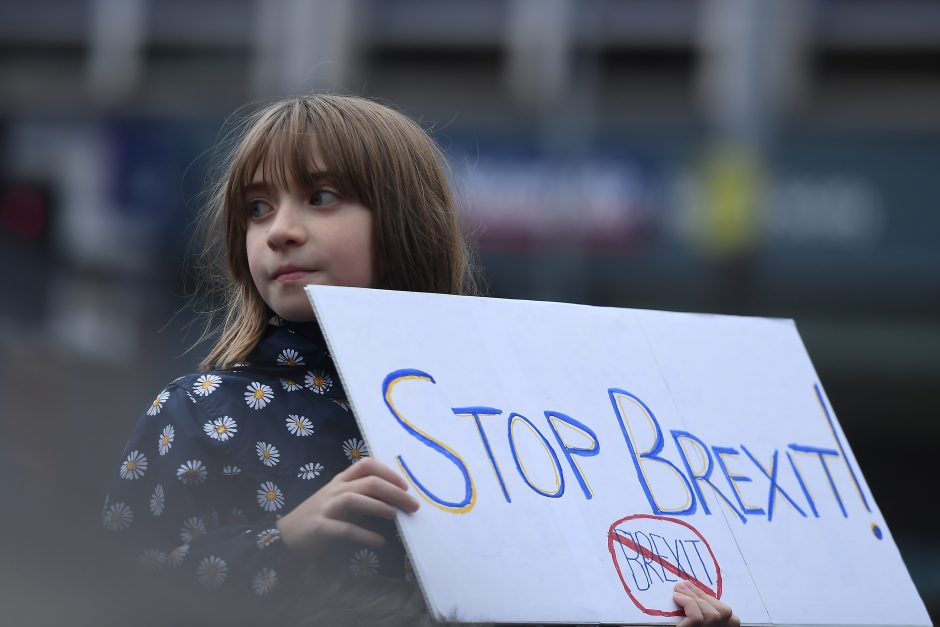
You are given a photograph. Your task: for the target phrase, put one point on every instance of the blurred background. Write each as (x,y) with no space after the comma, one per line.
(734,156)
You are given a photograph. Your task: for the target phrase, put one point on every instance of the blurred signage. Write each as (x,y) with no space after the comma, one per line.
(516,200)
(833,211)
(25,211)
(842,210)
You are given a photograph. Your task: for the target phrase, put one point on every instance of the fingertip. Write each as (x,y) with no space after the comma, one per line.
(398,482)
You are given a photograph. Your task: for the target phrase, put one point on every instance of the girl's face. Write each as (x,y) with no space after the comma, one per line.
(297,237)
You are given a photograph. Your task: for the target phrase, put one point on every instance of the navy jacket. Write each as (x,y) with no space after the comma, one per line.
(218,456)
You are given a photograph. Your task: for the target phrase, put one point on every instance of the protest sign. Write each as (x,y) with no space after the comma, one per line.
(575,462)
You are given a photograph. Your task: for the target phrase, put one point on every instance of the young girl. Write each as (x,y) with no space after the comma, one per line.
(247,486)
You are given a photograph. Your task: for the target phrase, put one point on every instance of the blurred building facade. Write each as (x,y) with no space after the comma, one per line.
(734,156)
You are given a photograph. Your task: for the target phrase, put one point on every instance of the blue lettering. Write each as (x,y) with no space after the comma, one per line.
(704,474)
(647,562)
(616,395)
(568,451)
(559,475)
(661,556)
(457,507)
(476,412)
(822,452)
(694,544)
(635,558)
(733,479)
(832,427)
(774,486)
(799,478)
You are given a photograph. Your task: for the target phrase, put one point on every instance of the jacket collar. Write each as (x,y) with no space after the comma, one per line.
(294,349)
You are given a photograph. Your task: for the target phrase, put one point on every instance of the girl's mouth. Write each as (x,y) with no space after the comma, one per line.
(291,276)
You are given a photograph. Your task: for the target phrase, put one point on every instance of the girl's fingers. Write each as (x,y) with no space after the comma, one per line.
(379,488)
(352,504)
(724,610)
(698,592)
(348,531)
(368,466)
(707,609)
(690,607)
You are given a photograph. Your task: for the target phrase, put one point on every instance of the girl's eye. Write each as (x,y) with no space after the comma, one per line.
(259,209)
(323,197)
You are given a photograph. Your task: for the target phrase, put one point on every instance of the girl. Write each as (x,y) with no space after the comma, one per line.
(247,486)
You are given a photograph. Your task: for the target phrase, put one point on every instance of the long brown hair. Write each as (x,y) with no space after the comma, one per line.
(375,155)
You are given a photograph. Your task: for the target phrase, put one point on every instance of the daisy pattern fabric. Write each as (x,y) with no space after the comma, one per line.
(217,457)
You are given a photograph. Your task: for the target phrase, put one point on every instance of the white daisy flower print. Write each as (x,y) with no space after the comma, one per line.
(192,473)
(117,517)
(157,403)
(268,454)
(152,559)
(267,537)
(134,466)
(290,385)
(192,528)
(165,441)
(175,557)
(355,449)
(318,381)
(290,357)
(264,581)
(191,398)
(231,471)
(206,384)
(157,500)
(221,429)
(310,471)
(270,497)
(364,562)
(212,571)
(299,426)
(343,404)
(258,395)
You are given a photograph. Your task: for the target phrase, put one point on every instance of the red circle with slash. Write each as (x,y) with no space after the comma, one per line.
(613,538)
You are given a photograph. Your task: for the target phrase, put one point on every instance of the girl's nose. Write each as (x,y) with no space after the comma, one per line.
(286,228)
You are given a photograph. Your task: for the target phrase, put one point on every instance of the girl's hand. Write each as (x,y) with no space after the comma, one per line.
(702,608)
(367,488)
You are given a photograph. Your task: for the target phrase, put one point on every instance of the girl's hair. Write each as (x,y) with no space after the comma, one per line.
(372,154)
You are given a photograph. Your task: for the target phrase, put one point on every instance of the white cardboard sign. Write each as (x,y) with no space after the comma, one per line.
(575,462)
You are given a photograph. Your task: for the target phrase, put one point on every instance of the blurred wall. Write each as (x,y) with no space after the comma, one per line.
(774,159)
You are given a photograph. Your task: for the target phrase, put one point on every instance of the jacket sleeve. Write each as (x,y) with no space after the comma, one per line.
(176,511)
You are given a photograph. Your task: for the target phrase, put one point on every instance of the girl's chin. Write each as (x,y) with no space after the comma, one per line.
(295,312)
